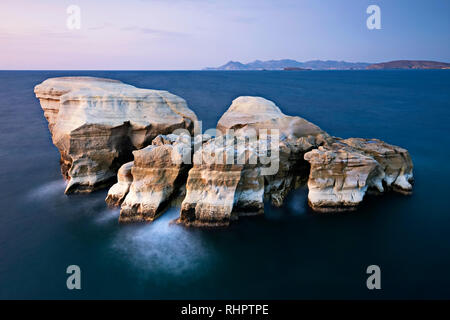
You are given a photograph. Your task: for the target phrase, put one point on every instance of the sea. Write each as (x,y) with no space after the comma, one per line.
(288,253)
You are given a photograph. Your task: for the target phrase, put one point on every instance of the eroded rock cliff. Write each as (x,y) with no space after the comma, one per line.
(223,184)
(343,172)
(96,123)
(258,153)
(270,147)
(156,174)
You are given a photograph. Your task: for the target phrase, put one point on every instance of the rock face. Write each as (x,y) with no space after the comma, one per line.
(296,136)
(158,171)
(259,154)
(395,161)
(96,124)
(340,177)
(222,184)
(217,193)
(118,191)
(338,172)
(342,172)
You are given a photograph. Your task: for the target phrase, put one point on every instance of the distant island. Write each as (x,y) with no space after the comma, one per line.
(410,64)
(289,64)
(296,69)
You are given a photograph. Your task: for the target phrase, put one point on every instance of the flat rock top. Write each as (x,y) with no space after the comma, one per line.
(81,88)
(108,101)
(62,85)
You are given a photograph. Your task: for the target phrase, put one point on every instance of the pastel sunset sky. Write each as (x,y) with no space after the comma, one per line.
(193,34)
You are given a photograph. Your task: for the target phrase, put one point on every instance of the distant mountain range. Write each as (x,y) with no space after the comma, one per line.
(288,64)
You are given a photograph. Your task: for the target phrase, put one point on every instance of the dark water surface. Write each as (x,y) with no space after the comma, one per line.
(288,253)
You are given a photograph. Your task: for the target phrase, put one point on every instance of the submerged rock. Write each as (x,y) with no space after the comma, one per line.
(96,123)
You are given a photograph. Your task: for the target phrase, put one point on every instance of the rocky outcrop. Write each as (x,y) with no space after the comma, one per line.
(259,154)
(118,191)
(295,135)
(395,162)
(344,171)
(340,177)
(218,192)
(222,184)
(96,124)
(158,171)
(338,172)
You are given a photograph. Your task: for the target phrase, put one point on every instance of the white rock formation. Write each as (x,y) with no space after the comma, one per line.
(395,161)
(118,191)
(220,188)
(248,115)
(343,172)
(218,192)
(97,123)
(158,171)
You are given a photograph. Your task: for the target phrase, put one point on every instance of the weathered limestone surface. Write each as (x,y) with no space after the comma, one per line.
(339,172)
(158,172)
(118,191)
(296,137)
(222,185)
(343,172)
(96,124)
(101,125)
(395,161)
(340,177)
(219,193)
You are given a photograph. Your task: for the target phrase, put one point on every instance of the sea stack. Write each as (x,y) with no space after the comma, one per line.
(96,124)
(108,131)
(218,192)
(344,171)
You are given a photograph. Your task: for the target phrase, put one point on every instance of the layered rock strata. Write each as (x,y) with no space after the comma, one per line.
(344,171)
(157,172)
(96,123)
(249,116)
(119,190)
(395,161)
(259,153)
(338,172)
(253,128)
(223,184)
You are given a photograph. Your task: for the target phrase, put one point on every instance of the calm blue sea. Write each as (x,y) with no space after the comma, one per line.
(289,253)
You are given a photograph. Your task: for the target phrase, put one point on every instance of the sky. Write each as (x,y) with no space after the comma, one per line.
(193,34)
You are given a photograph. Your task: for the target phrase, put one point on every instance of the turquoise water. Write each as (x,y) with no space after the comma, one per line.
(289,253)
